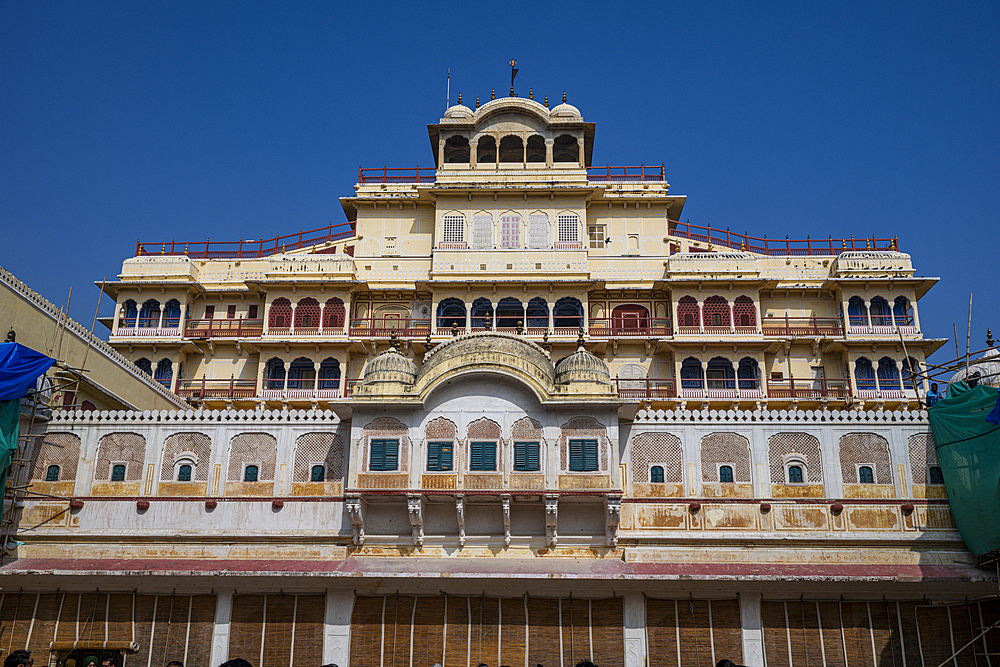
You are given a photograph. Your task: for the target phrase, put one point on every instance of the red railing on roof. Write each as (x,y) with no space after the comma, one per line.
(639,174)
(778,247)
(395,175)
(242,249)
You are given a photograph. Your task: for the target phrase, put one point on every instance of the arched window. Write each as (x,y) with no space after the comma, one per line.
(317,473)
(568,313)
(482,231)
(509,313)
(632,378)
(565,149)
(888,374)
(538,313)
(307,313)
(687,312)
(538,230)
(911,368)
(536,148)
(725,474)
(301,374)
(795,474)
(934,475)
(864,374)
(656,474)
(486,150)
(118,472)
(334,314)
(329,374)
(453,228)
(280,314)
(691,376)
(145,365)
(629,317)
(149,314)
(902,311)
(275,373)
(745,312)
(866,475)
(184,472)
(568,227)
(164,372)
(720,374)
(172,313)
(456,150)
(52,474)
(880,312)
(451,312)
(856,312)
(511,149)
(129,313)
(250,473)
(482,314)
(510,230)
(748,373)
(716,312)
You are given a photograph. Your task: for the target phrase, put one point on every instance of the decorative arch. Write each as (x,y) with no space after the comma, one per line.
(451,311)
(856,312)
(568,313)
(716,312)
(584,428)
(149,314)
(334,313)
(888,374)
(279,316)
(632,379)
(456,150)
(59,449)
(441,428)
(195,449)
(483,429)
(326,449)
(301,374)
(745,312)
(526,428)
(858,449)
(482,230)
(275,373)
(720,375)
(864,374)
(145,365)
(800,447)
(538,230)
(486,150)
(902,311)
(453,227)
(511,149)
(307,313)
(129,313)
(510,311)
(691,373)
(748,373)
(329,374)
(629,318)
(537,313)
(510,230)
(482,314)
(565,149)
(172,313)
(387,427)
(536,148)
(880,312)
(725,448)
(662,449)
(164,371)
(258,449)
(128,449)
(688,314)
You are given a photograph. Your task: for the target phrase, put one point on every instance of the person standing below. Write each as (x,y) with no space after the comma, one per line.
(933,396)
(90,661)
(236,662)
(175,663)
(108,662)
(19,658)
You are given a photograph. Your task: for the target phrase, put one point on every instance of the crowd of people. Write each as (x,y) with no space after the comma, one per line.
(22,658)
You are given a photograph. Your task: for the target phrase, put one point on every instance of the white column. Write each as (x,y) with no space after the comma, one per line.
(753,630)
(493,319)
(267,317)
(183,314)
(468,317)
(291,323)
(174,368)
(868,313)
(552,319)
(284,385)
(322,307)
(316,379)
(916,317)
(118,313)
(892,314)
(701,315)
(635,630)
(732,318)
(337,628)
(159,324)
(851,379)
(878,385)
(220,636)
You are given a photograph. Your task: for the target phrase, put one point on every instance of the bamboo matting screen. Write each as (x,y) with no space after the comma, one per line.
(278,630)
(692,633)
(406,631)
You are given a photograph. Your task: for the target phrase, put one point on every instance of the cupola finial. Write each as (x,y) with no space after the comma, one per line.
(460,98)
(564,97)
(493,94)
(531,93)
(989,338)
(546,100)
(477,101)
(580,341)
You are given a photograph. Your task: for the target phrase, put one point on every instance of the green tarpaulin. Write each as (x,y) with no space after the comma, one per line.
(968,449)
(10,412)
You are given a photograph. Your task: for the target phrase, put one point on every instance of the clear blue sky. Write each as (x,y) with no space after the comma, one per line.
(190,120)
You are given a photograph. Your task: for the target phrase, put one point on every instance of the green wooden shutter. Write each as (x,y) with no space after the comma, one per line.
(590,461)
(446,455)
(489,456)
(391,455)
(533,456)
(576,455)
(521,455)
(433,455)
(476,456)
(377,455)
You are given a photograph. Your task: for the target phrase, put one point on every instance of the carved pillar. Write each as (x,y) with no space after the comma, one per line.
(868,313)
(322,307)
(852,380)
(551,519)
(732,318)
(460,510)
(356,507)
(220,635)
(549,143)
(701,315)
(119,311)
(635,629)
(183,315)
(159,323)
(505,505)
(473,153)
(415,510)
(337,627)
(612,515)
(916,316)
(752,630)
(583,156)
(267,317)
(291,324)
(316,379)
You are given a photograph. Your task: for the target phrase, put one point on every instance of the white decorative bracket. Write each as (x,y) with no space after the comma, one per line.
(505,499)
(612,516)
(460,510)
(551,519)
(356,513)
(415,508)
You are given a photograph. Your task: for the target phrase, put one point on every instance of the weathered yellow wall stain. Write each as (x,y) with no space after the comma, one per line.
(115,489)
(64,489)
(439,481)
(181,489)
(581,482)
(797,491)
(369,481)
(717,490)
(661,516)
(650,490)
(527,481)
(935,518)
(929,491)
(482,481)
(249,489)
(216,476)
(322,489)
(797,517)
(49,515)
(869,491)
(873,518)
(730,516)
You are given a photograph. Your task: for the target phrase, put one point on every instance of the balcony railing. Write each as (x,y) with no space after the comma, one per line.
(616,327)
(224,328)
(148,332)
(396,175)
(300,394)
(303,330)
(788,327)
(640,174)
(383,327)
(881,329)
(649,388)
(808,389)
(746,389)
(221,389)
(246,249)
(776,247)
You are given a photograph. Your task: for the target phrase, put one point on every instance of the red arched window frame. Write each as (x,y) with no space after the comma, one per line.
(631,317)
(307,313)
(716,312)
(334,314)
(687,312)
(745,312)
(280,314)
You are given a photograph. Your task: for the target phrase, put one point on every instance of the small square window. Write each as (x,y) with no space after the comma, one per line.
(527,456)
(725,474)
(934,475)
(252,312)
(317,474)
(795,474)
(656,474)
(596,234)
(866,475)
(184,473)
(52,474)
(250,473)
(583,455)
(439,456)
(231,312)
(483,456)
(209,312)
(118,472)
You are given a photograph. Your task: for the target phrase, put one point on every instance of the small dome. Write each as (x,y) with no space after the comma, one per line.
(458,111)
(986,369)
(390,366)
(565,110)
(582,366)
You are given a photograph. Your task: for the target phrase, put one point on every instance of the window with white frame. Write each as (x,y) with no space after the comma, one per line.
(569,227)
(184,469)
(482,231)
(453,228)
(538,230)
(390,245)
(795,472)
(596,234)
(510,230)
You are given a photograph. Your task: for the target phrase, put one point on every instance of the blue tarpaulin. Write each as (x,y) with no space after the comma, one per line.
(20,367)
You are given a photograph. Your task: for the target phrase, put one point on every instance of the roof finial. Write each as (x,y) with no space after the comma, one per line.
(531,93)
(579,342)
(989,338)
(546,100)
(460,98)
(11,336)
(477,101)
(493,94)
(564,97)
(393,339)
